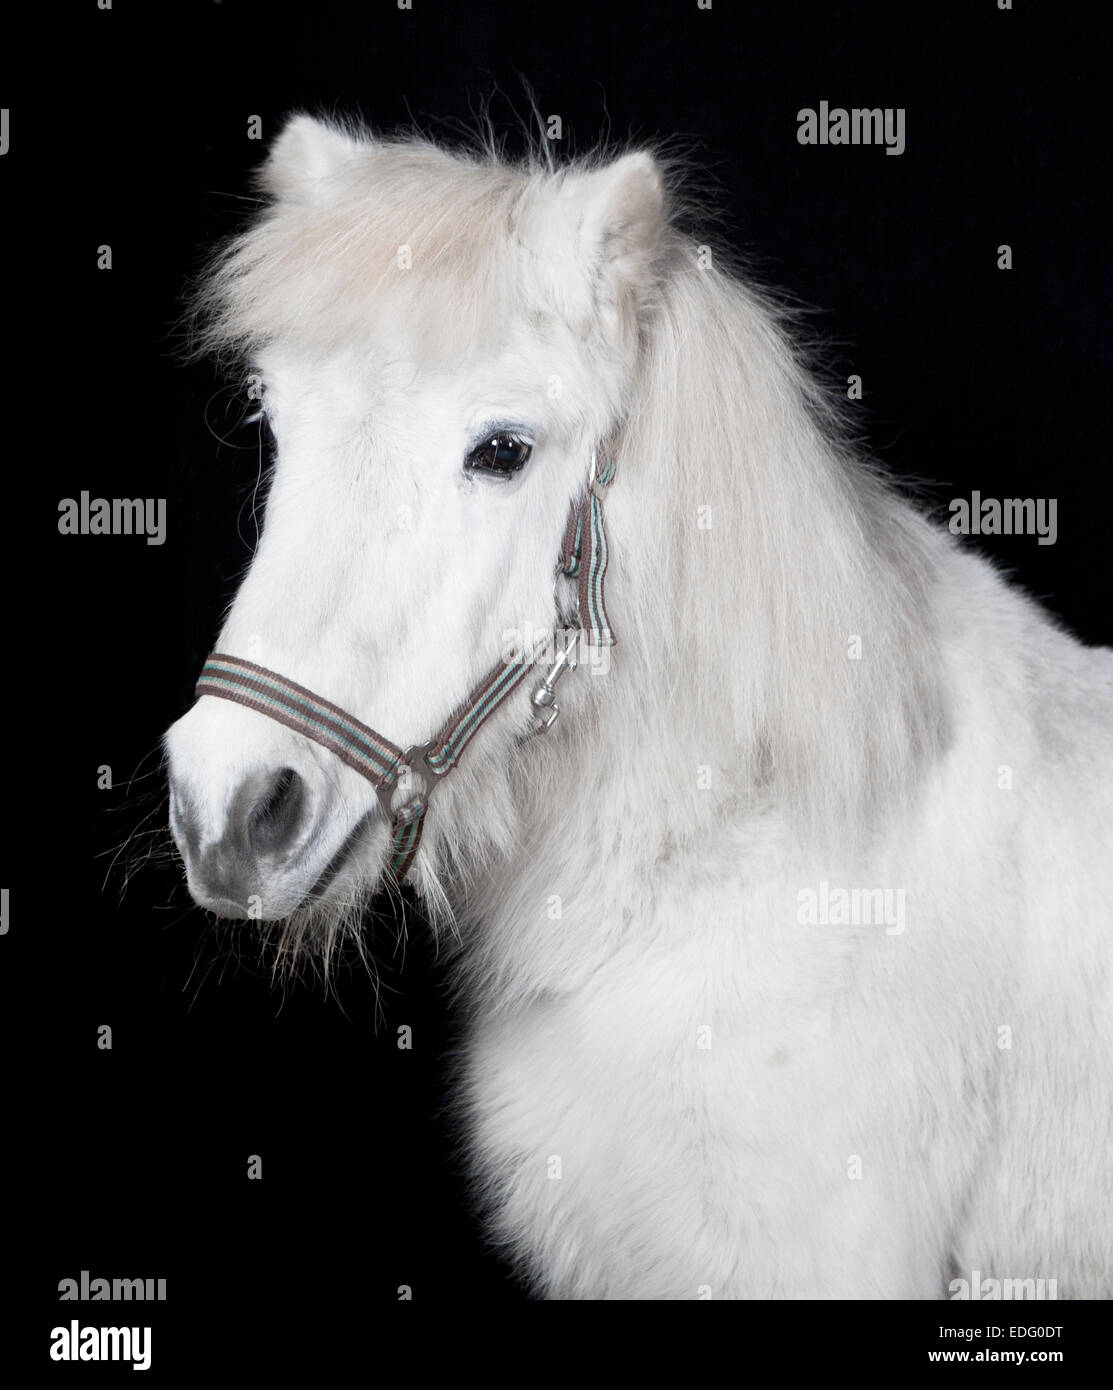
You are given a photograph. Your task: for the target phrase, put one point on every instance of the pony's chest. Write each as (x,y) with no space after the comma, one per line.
(695,1033)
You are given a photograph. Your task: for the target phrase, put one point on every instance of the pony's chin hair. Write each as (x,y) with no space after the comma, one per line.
(322,936)
(318,936)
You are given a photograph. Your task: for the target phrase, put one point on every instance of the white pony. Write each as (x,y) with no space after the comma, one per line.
(786,951)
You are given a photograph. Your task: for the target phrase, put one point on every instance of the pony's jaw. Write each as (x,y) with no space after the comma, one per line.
(246,858)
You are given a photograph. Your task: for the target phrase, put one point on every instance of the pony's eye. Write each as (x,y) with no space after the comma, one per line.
(500,455)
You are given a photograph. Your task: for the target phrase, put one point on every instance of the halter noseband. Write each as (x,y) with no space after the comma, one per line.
(386,766)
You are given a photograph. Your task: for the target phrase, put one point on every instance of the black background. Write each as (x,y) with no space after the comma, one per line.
(129,127)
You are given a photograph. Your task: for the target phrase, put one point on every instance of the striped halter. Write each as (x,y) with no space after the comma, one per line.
(414,772)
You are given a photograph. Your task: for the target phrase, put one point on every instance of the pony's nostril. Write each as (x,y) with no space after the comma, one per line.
(274,819)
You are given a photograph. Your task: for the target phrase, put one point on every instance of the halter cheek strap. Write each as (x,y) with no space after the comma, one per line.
(386,766)
(584,555)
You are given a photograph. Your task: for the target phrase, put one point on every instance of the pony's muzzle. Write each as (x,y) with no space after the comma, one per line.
(264,824)
(260,827)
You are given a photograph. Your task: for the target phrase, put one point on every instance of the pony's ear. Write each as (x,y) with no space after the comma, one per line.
(304,155)
(596,232)
(621,210)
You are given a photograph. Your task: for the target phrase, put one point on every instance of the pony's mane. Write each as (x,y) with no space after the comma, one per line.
(738,625)
(807,548)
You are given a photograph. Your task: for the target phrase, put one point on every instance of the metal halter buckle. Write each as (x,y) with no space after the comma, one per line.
(544,697)
(414,763)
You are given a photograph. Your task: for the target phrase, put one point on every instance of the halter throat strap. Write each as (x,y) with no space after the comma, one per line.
(415,771)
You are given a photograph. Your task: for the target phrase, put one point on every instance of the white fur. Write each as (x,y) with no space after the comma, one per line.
(670,1083)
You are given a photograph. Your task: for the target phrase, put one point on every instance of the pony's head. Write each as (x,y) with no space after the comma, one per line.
(442,341)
